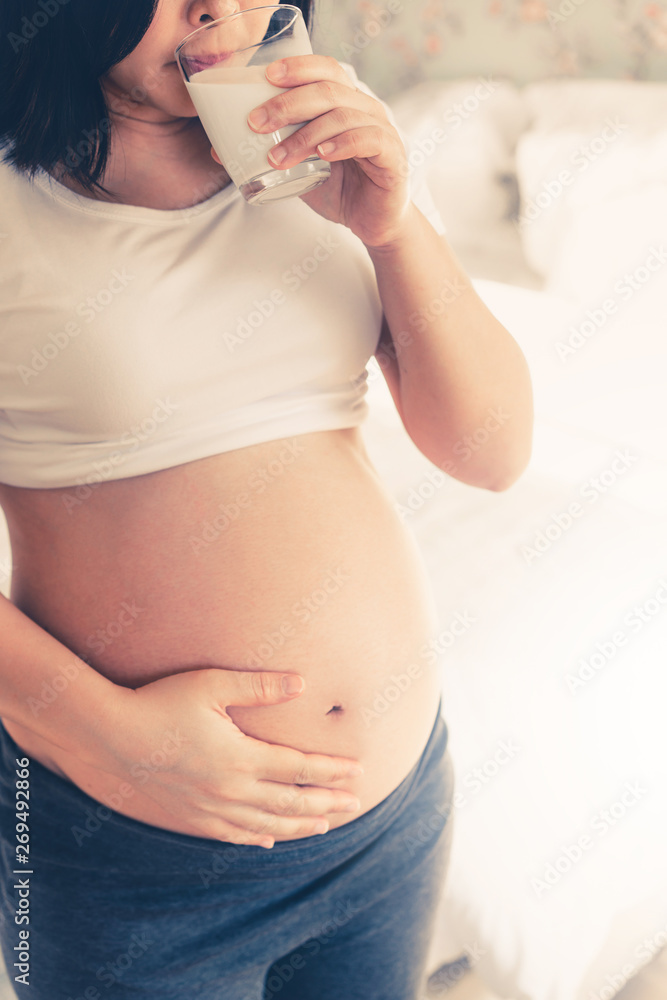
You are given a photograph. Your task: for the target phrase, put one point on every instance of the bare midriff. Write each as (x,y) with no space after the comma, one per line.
(288,555)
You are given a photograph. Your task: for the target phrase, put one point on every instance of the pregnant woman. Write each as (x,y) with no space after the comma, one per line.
(224,768)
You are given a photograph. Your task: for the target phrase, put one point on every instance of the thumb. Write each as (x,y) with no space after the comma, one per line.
(260,687)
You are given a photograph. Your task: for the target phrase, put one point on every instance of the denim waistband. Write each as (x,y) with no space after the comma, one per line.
(123,841)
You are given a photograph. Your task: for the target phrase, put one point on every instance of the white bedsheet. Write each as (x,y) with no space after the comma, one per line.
(554,755)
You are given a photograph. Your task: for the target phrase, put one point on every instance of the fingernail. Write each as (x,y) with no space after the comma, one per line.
(292,683)
(325,148)
(258,117)
(352,807)
(278,154)
(321,827)
(276,70)
(355,770)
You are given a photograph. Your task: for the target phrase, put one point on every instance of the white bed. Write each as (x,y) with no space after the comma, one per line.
(552,754)
(559,741)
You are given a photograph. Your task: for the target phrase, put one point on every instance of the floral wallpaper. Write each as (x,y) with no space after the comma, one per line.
(394,44)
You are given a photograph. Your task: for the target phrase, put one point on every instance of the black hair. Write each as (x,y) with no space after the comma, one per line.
(53,111)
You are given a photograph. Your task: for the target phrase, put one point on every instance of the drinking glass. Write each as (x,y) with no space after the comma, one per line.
(223,64)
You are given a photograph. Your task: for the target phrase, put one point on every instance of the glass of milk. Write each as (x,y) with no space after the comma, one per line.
(223,65)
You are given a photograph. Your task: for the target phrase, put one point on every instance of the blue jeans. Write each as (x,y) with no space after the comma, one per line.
(122,909)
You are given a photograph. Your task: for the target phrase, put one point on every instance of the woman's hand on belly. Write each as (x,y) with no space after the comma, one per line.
(176,745)
(316,576)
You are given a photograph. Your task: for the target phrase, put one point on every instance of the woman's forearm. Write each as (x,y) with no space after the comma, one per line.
(460,381)
(51,691)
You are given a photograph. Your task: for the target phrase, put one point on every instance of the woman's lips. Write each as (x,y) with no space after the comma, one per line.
(209,60)
(195,64)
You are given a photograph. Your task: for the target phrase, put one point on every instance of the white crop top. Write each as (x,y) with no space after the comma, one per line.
(136,339)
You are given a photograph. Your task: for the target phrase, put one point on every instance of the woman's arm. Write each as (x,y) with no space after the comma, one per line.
(460,381)
(51,691)
(459,377)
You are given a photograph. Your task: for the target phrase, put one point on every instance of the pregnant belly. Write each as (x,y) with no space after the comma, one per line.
(286,556)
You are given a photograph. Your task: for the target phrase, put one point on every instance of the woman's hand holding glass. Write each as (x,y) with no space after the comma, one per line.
(368,190)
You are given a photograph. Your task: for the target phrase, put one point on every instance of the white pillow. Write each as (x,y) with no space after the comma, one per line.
(592,174)
(615,253)
(462,136)
(556,104)
(592,207)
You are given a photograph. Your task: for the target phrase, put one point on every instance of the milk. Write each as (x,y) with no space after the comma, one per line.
(224,97)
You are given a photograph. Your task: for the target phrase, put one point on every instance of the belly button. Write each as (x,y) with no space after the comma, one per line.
(336,708)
